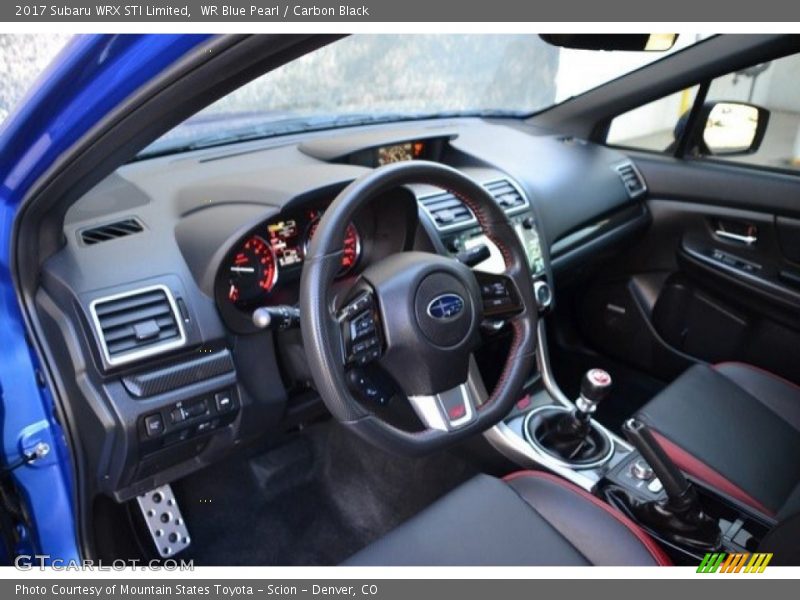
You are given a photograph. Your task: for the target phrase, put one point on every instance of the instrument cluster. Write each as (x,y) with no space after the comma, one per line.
(275,252)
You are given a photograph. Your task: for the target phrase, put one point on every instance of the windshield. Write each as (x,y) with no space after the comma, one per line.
(375,78)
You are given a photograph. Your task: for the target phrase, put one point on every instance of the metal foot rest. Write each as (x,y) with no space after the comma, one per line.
(164,521)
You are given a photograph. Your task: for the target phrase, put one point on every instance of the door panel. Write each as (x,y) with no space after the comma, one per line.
(716,278)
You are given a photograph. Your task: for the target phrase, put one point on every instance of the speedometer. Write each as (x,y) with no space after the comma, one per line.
(351,249)
(252,272)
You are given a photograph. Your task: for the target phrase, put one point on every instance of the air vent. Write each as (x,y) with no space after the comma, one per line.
(112,231)
(506,195)
(631,179)
(137,324)
(447,211)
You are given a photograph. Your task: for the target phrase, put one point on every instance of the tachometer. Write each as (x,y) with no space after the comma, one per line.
(252,272)
(351,249)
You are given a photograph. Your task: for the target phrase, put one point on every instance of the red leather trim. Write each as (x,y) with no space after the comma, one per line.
(760,370)
(697,468)
(655,550)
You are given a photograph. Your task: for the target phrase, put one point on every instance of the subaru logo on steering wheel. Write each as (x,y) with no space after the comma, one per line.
(445,306)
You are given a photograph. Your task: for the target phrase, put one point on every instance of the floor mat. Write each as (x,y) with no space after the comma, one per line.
(315,500)
(631,389)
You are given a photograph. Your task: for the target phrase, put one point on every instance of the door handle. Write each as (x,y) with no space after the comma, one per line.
(736,237)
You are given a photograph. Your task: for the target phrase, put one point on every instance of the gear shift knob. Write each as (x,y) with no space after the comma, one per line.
(595,385)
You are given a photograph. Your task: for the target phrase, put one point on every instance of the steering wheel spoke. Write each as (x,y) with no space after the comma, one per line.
(361,330)
(454,408)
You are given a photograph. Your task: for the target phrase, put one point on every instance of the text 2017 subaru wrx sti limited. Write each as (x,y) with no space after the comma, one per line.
(403,300)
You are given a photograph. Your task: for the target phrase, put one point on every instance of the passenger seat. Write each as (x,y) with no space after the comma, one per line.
(737,428)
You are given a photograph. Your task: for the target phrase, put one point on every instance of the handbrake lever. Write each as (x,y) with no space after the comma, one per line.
(681,518)
(680,493)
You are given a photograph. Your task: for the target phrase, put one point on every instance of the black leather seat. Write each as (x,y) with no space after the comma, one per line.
(736,427)
(530,518)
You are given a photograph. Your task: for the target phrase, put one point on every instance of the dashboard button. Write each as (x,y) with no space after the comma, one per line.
(224,401)
(196,409)
(177,415)
(207,426)
(154,425)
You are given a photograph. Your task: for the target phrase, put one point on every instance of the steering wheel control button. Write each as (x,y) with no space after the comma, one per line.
(362,326)
(543,294)
(363,345)
(154,425)
(498,294)
(361,303)
(367,388)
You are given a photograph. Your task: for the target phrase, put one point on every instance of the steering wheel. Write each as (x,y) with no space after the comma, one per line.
(417,315)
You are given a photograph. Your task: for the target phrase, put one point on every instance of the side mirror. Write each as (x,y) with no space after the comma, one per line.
(726,129)
(734,128)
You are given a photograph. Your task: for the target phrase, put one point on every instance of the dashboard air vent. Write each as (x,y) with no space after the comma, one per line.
(507,196)
(447,211)
(111,231)
(137,324)
(631,179)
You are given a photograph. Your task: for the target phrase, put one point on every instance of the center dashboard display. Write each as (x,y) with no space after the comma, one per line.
(400,152)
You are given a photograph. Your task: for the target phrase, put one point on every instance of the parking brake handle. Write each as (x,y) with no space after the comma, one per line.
(679,492)
(680,518)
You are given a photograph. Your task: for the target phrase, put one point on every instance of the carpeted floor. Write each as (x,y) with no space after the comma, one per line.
(315,500)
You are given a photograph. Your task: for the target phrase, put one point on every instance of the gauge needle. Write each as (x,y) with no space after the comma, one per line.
(243,269)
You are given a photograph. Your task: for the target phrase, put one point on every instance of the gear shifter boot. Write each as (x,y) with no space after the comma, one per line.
(570,439)
(571,436)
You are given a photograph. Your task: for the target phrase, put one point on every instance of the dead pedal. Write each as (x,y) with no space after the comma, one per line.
(164,521)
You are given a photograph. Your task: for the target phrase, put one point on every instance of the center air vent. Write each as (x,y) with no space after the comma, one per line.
(111,231)
(631,179)
(137,324)
(447,211)
(506,195)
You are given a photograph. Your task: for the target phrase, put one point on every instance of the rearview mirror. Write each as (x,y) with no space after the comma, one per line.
(734,128)
(633,42)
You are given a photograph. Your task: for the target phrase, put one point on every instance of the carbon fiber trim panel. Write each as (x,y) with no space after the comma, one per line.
(150,383)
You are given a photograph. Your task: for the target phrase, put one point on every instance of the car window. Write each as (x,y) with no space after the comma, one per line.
(22,58)
(774,86)
(652,125)
(366,78)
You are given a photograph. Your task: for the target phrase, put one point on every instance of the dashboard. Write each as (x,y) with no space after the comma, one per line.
(153,324)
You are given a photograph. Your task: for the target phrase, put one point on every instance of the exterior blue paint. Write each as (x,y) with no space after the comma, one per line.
(87,80)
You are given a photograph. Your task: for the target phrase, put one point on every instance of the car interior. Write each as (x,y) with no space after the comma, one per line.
(488,339)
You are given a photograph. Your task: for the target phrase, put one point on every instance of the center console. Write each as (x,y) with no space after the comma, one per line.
(546,430)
